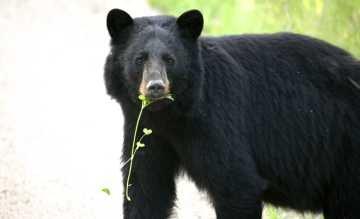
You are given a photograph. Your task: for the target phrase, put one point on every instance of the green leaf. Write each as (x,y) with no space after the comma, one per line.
(140,145)
(106,190)
(147,131)
(169,97)
(142,97)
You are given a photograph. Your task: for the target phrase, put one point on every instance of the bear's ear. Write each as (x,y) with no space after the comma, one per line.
(116,21)
(191,23)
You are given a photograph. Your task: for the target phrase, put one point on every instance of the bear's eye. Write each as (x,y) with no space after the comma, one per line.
(168,59)
(139,60)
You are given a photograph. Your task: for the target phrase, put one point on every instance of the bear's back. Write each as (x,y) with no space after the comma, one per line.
(285,55)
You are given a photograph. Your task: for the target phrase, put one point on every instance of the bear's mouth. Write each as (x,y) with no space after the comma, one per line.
(156,98)
(159,104)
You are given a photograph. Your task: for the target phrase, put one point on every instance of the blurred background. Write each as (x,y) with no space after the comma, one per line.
(61,135)
(336,21)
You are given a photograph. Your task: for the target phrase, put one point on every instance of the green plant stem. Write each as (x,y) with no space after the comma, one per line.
(142,137)
(133,150)
(137,148)
(144,103)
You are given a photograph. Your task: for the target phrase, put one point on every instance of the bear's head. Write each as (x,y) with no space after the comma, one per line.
(154,56)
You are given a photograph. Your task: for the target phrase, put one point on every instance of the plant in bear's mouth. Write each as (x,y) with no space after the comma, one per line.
(137,144)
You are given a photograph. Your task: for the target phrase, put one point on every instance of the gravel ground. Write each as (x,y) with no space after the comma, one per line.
(60,134)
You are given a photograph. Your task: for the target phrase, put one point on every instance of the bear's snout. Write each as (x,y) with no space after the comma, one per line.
(155,89)
(154,83)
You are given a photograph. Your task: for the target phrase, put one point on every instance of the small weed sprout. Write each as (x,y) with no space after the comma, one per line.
(106,190)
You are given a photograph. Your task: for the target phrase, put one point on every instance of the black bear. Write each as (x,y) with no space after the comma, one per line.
(256,118)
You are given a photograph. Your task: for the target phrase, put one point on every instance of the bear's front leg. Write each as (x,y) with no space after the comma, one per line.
(251,210)
(236,189)
(152,189)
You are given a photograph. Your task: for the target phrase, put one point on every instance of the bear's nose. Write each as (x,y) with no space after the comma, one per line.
(155,88)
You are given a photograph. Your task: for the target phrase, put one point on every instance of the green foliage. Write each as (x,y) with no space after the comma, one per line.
(336,21)
(272,213)
(106,190)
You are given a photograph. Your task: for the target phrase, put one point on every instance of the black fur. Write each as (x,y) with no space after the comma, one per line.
(272,118)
